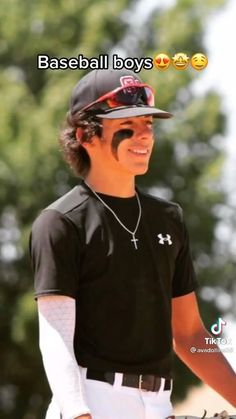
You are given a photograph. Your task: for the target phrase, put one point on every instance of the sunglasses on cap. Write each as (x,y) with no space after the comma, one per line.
(129,95)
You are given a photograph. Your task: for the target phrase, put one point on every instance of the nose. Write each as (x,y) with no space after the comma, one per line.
(144,133)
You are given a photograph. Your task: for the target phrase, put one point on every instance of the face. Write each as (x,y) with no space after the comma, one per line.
(126,144)
(180,61)
(199,61)
(161,61)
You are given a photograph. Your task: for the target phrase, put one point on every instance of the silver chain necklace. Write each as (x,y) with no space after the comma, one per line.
(134,240)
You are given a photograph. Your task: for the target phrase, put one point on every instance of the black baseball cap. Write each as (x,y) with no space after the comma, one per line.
(98,83)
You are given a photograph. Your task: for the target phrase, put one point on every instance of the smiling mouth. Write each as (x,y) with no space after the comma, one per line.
(139,152)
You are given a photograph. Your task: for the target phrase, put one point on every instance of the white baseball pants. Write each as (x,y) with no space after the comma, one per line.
(115,401)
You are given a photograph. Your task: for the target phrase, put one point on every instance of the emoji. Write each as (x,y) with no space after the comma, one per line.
(161,61)
(199,61)
(180,61)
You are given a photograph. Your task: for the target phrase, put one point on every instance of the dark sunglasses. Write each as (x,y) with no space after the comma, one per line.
(130,95)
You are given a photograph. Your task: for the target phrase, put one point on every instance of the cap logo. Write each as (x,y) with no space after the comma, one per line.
(127,81)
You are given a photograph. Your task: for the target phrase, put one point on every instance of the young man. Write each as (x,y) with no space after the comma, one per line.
(113,273)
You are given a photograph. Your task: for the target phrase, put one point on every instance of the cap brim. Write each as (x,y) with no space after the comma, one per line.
(129,111)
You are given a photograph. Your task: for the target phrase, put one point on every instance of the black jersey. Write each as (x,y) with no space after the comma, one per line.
(123,294)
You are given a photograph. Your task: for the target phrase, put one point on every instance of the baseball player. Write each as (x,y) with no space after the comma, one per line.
(114,279)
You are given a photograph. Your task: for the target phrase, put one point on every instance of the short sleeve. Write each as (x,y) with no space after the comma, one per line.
(184,280)
(54,252)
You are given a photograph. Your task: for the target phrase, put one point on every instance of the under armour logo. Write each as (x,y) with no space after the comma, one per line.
(163,240)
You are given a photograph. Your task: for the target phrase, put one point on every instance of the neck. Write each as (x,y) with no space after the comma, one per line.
(123,188)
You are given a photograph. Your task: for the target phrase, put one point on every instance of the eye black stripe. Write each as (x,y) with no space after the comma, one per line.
(119,136)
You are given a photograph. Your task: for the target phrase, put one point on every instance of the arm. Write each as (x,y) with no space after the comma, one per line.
(56,330)
(188,331)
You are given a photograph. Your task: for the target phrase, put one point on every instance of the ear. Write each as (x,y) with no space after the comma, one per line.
(79,134)
(85,144)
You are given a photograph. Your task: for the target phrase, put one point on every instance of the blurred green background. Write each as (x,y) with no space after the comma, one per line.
(186,166)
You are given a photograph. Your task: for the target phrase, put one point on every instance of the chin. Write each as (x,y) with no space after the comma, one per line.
(141,170)
(137,169)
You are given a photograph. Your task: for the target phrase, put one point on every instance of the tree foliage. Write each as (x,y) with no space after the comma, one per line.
(186,164)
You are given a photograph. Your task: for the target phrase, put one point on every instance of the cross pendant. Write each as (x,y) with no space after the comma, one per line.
(134,240)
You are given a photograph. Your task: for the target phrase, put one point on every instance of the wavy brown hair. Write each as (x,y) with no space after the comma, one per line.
(74,152)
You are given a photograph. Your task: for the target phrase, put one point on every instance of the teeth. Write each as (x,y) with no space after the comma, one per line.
(139,151)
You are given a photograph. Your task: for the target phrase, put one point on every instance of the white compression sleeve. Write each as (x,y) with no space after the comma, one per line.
(56,334)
